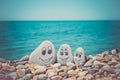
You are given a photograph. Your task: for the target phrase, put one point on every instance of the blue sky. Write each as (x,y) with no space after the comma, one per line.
(59,9)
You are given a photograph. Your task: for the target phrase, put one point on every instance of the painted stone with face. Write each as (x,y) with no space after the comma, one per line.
(44,54)
(79,56)
(64,55)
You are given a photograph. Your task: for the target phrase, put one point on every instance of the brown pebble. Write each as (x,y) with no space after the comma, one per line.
(20,73)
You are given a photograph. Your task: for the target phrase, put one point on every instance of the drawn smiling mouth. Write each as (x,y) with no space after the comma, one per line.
(46,60)
(64,59)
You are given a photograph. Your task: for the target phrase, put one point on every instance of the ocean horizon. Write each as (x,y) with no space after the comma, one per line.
(20,38)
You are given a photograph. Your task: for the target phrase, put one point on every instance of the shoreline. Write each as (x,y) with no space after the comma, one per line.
(104,66)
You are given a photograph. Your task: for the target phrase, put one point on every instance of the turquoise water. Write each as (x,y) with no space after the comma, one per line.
(19,38)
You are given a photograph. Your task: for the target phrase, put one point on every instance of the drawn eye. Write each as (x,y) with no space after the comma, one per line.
(49,50)
(65,49)
(43,51)
(61,53)
(76,53)
(66,53)
(79,55)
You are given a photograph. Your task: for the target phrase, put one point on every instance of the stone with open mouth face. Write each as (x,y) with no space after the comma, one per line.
(64,55)
(79,56)
(44,54)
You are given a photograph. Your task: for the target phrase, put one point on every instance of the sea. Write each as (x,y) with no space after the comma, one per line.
(20,38)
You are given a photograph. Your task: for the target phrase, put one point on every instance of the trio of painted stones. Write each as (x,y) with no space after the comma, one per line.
(45,54)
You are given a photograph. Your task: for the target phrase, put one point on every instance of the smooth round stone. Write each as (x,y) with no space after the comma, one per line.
(42,77)
(59,70)
(64,54)
(114,51)
(36,77)
(20,67)
(83,73)
(22,63)
(40,67)
(27,71)
(71,78)
(21,73)
(44,54)
(51,74)
(40,71)
(56,65)
(64,75)
(56,78)
(13,74)
(70,64)
(88,63)
(83,67)
(89,77)
(6,77)
(72,73)
(72,67)
(5,65)
(91,57)
(105,53)
(117,66)
(25,78)
(79,56)
(12,68)
(96,63)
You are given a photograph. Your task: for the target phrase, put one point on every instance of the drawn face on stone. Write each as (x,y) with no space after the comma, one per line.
(64,54)
(44,54)
(79,56)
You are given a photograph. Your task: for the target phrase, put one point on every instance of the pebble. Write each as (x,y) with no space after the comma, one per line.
(117,66)
(56,78)
(83,73)
(3,60)
(42,77)
(40,71)
(21,73)
(13,74)
(64,75)
(88,63)
(51,74)
(12,68)
(22,63)
(56,65)
(72,73)
(71,78)
(20,67)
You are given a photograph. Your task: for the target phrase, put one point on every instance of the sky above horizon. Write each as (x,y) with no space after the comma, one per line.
(59,9)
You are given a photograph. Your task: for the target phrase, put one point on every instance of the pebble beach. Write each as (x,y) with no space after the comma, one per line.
(103,66)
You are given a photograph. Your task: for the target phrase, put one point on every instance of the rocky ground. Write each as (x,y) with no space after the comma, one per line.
(104,66)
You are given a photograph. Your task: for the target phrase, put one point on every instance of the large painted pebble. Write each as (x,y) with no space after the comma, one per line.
(79,56)
(44,54)
(64,54)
